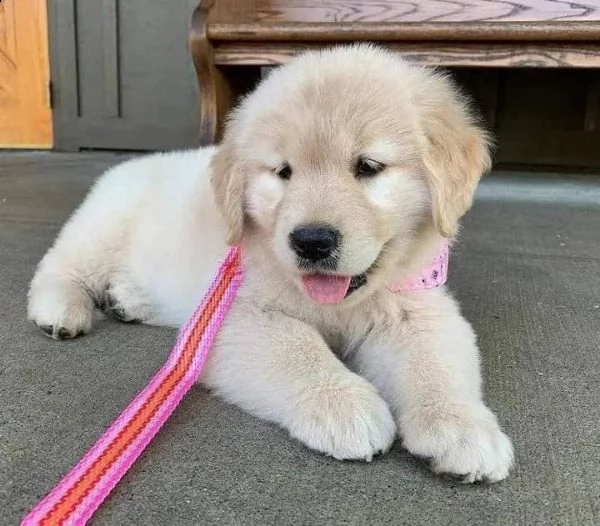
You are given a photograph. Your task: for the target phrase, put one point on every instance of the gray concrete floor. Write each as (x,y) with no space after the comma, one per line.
(528,275)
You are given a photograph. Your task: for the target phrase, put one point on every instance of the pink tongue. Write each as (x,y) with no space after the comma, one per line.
(326,289)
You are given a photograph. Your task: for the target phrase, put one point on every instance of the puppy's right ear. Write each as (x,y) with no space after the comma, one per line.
(227,180)
(456,156)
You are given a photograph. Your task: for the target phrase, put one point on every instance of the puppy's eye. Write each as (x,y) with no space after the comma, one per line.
(367,167)
(284,171)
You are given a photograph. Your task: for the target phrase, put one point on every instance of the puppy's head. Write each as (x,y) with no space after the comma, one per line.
(342,160)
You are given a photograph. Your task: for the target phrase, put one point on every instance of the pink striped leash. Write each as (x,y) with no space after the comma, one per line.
(74,500)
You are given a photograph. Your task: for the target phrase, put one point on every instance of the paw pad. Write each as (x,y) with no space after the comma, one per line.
(61,334)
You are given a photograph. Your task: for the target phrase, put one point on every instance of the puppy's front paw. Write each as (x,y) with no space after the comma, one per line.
(465,442)
(345,418)
(124,302)
(61,309)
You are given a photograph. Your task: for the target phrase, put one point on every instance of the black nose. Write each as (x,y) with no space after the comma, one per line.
(314,242)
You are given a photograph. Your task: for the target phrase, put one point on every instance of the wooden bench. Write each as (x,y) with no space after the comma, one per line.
(231,40)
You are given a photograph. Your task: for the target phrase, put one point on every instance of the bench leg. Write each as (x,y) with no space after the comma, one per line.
(219,88)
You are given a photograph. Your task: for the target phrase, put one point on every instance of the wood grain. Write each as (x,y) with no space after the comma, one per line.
(395,20)
(25,114)
(437,54)
(233,11)
(394,31)
(502,11)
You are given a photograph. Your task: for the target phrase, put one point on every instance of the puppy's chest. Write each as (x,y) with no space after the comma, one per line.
(342,333)
(342,344)
(344,338)
(344,330)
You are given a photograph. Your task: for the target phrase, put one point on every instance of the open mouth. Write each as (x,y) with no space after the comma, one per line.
(329,288)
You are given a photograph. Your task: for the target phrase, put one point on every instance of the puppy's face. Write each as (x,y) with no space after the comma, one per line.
(331,164)
(337,193)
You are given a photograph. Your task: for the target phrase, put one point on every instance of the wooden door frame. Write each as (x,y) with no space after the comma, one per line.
(29,109)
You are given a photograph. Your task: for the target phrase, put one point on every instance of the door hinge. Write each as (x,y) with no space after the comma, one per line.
(50,94)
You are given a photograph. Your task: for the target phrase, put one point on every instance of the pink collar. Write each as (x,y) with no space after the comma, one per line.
(434,275)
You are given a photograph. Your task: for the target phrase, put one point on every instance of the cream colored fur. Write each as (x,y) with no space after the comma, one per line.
(346,378)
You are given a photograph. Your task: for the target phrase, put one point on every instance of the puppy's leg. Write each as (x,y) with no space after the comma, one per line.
(280,369)
(427,368)
(70,280)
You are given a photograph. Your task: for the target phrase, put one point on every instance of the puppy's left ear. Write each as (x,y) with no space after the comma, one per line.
(228,184)
(457,154)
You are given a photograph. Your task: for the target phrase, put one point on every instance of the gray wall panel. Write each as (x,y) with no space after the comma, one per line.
(63,57)
(155,64)
(122,74)
(90,48)
(110,55)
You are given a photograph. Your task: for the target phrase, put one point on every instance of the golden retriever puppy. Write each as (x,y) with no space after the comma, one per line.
(345,171)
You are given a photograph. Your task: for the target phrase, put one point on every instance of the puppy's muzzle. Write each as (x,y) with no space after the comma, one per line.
(315,243)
